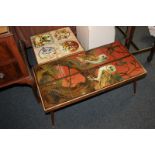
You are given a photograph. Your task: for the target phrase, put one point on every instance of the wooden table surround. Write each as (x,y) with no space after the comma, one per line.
(82,75)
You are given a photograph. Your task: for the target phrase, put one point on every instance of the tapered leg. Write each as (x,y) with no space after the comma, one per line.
(150,57)
(35,91)
(52,118)
(134,87)
(130,32)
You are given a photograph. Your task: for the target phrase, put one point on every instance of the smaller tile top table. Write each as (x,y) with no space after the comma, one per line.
(55,44)
(76,77)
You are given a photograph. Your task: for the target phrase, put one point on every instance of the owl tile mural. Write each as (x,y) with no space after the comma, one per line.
(86,73)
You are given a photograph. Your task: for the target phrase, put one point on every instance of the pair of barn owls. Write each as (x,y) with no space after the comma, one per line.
(104,74)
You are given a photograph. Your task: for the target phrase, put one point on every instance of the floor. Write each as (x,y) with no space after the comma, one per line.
(117,109)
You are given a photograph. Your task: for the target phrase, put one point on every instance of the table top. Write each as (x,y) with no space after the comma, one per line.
(55,44)
(76,77)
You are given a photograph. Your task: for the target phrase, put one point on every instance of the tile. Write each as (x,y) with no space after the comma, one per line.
(47,73)
(68,47)
(81,85)
(95,58)
(83,61)
(116,72)
(105,76)
(42,39)
(61,34)
(66,40)
(55,94)
(73,62)
(106,53)
(45,53)
(129,68)
(116,50)
(67,70)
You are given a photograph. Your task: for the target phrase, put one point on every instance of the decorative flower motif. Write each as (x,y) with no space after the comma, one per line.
(70,46)
(41,40)
(62,34)
(47,52)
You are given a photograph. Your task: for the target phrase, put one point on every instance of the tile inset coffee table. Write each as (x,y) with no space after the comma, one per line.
(55,44)
(74,78)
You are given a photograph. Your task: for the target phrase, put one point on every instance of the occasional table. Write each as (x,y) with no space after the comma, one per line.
(70,79)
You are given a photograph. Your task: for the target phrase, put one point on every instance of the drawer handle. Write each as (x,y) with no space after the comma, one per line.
(2,75)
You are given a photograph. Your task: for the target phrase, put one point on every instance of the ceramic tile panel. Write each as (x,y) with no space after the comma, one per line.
(105,54)
(48,72)
(80,85)
(76,77)
(55,44)
(73,62)
(117,72)
(55,93)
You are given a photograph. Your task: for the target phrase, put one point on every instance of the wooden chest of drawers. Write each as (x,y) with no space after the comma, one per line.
(13,68)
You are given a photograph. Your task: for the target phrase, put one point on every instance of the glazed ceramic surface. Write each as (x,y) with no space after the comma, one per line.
(77,76)
(55,44)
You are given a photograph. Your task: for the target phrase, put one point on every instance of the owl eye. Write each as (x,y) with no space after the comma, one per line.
(104,56)
(111,68)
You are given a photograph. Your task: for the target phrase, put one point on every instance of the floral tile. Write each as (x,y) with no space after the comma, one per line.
(55,44)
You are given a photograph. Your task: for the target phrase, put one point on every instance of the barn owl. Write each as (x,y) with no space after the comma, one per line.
(103,76)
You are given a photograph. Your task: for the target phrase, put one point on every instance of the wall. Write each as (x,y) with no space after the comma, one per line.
(95,36)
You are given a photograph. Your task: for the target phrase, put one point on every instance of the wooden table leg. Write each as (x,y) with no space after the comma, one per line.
(36,94)
(134,87)
(150,57)
(130,32)
(52,118)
